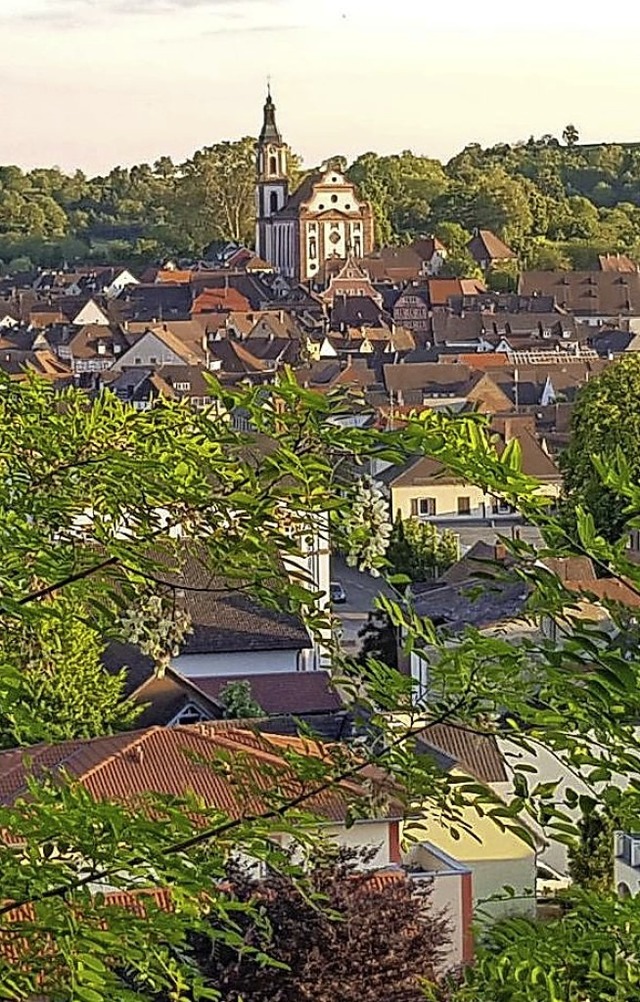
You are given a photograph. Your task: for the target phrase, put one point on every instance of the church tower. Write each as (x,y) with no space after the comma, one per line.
(272,189)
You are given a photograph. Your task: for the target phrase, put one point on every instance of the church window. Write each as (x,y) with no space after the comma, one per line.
(273,165)
(348,206)
(313,249)
(334,198)
(334,237)
(334,179)
(274,201)
(321,206)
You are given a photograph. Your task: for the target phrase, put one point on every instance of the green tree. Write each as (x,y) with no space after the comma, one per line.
(238,701)
(80,549)
(591,858)
(419,550)
(543,255)
(61,688)
(216,194)
(402,189)
(503,276)
(570,135)
(606,417)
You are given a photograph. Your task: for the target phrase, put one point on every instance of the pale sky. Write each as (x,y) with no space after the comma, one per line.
(94,83)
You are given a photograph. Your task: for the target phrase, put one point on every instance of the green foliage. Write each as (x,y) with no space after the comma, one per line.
(238,702)
(79,550)
(590,953)
(402,188)
(606,417)
(591,866)
(569,197)
(60,688)
(503,276)
(379,639)
(419,550)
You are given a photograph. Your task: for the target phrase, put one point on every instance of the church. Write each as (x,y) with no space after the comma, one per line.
(324,218)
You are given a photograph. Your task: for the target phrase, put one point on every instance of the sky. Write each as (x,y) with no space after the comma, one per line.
(95,83)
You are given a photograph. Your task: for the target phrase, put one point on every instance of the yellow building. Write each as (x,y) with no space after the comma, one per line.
(424,489)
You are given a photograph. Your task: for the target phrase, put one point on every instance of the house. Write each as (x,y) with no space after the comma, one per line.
(442,290)
(350,280)
(537,383)
(617,262)
(422,488)
(355,311)
(169,761)
(221,300)
(90,314)
(600,297)
(325,217)
(154,303)
(411,309)
(442,385)
(94,348)
(487,249)
(166,344)
(432,252)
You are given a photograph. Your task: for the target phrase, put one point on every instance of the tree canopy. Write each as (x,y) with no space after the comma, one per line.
(575,201)
(605,418)
(78,550)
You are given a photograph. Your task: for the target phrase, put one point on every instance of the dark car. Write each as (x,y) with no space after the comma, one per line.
(337,593)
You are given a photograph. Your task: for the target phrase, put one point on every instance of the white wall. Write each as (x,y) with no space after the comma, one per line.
(119,283)
(149,347)
(91,314)
(491,875)
(236,663)
(364,833)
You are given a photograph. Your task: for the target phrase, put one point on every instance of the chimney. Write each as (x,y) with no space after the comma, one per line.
(500,552)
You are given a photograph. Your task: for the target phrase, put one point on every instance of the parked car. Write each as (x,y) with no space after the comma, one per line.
(549,882)
(337,593)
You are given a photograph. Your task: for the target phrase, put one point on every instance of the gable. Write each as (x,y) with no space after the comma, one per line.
(90,314)
(149,350)
(333,193)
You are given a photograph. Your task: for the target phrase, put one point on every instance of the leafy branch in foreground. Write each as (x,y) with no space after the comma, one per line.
(80,550)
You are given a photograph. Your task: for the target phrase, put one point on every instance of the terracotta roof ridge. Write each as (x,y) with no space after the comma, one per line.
(139,737)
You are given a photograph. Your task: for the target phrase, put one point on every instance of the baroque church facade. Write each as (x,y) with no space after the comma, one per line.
(324,218)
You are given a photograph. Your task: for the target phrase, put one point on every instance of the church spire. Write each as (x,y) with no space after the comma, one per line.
(269,132)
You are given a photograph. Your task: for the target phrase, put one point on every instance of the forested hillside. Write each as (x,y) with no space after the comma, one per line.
(556,202)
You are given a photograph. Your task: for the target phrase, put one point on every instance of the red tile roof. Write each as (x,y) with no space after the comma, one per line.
(174,761)
(281,692)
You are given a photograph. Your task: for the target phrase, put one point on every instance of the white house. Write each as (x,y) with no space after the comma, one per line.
(90,314)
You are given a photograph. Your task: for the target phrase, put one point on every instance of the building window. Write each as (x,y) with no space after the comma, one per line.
(273,165)
(183,387)
(464,506)
(423,506)
(191,714)
(501,507)
(334,198)
(137,361)
(321,206)
(274,201)
(153,360)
